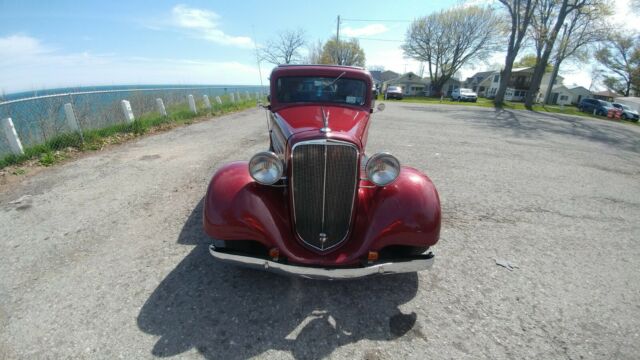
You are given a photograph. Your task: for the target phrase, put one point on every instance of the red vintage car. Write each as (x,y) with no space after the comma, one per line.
(314,204)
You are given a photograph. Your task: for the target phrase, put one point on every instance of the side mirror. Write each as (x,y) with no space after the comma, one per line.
(381,107)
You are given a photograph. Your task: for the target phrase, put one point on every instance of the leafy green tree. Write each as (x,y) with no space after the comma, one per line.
(342,53)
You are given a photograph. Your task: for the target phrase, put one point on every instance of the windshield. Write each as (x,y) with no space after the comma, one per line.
(321,89)
(394,88)
(466,91)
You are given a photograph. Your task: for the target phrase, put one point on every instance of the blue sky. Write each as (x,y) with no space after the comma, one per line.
(46,44)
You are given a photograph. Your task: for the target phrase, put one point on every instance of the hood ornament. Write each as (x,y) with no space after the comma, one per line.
(323,240)
(325,120)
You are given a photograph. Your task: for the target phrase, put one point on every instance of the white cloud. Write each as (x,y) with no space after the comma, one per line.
(369,30)
(204,24)
(16,46)
(32,65)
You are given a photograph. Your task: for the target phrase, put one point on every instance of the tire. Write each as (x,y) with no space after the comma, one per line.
(623,117)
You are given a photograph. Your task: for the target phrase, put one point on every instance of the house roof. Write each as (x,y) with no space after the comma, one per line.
(606,93)
(407,78)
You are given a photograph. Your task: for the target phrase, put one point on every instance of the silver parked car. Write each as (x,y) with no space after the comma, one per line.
(463,94)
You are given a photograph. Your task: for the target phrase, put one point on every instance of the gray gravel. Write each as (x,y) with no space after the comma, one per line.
(104,257)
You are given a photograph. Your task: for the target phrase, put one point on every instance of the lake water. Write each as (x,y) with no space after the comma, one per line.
(39,115)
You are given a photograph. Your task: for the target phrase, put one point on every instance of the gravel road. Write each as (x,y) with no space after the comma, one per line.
(104,257)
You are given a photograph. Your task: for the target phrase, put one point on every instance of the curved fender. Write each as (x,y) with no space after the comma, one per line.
(407,212)
(237,208)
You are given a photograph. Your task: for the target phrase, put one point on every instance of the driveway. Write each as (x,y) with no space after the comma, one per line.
(104,257)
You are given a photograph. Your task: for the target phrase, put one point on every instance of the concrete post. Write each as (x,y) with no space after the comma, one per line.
(160,106)
(248,95)
(218,100)
(207,103)
(12,136)
(232,98)
(71,117)
(192,104)
(128,113)
(238,95)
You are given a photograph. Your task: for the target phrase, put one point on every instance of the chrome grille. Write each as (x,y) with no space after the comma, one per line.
(324,177)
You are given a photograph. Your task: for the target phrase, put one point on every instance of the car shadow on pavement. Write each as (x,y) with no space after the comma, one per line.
(229,312)
(534,124)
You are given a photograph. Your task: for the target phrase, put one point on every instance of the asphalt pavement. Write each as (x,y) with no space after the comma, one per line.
(104,256)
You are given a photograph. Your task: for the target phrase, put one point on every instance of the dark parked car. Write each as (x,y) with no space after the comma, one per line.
(393,92)
(627,112)
(601,107)
(315,204)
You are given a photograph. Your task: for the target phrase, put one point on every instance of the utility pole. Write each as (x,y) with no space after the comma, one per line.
(338,57)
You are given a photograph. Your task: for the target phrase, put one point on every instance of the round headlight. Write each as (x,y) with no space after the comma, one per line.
(382,169)
(265,167)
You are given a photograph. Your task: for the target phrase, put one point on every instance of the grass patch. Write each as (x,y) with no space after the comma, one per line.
(52,150)
(483,102)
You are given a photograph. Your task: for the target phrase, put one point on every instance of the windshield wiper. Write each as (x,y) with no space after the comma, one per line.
(336,79)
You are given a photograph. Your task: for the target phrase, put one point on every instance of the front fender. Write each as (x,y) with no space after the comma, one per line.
(238,208)
(407,212)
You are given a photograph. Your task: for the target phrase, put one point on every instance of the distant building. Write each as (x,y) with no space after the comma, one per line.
(479,82)
(519,84)
(411,84)
(579,93)
(631,101)
(606,95)
(388,75)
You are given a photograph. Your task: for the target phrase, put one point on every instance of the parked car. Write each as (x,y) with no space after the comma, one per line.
(393,92)
(462,94)
(316,204)
(601,107)
(627,112)
(374,91)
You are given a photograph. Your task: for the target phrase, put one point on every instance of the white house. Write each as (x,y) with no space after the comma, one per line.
(411,84)
(580,93)
(560,95)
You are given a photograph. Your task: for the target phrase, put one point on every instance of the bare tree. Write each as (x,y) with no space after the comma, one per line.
(619,58)
(546,25)
(449,39)
(314,55)
(520,12)
(285,49)
(585,27)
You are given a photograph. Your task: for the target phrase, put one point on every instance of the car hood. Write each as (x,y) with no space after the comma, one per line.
(306,121)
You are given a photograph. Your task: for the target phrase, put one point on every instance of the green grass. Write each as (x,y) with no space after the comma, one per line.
(50,152)
(483,102)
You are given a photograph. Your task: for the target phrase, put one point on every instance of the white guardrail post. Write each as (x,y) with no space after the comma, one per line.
(160,106)
(192,104)
(218,100)
(12,136)
(71,117)
(207,103)
(128,113)
(72,121)
(238,95)
(232,98)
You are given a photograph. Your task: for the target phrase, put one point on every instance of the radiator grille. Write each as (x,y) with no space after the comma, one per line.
(324,179)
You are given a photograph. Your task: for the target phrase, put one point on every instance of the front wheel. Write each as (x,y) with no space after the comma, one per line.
(624,117)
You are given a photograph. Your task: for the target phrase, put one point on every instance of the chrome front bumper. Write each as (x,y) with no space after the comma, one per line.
(416,263)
